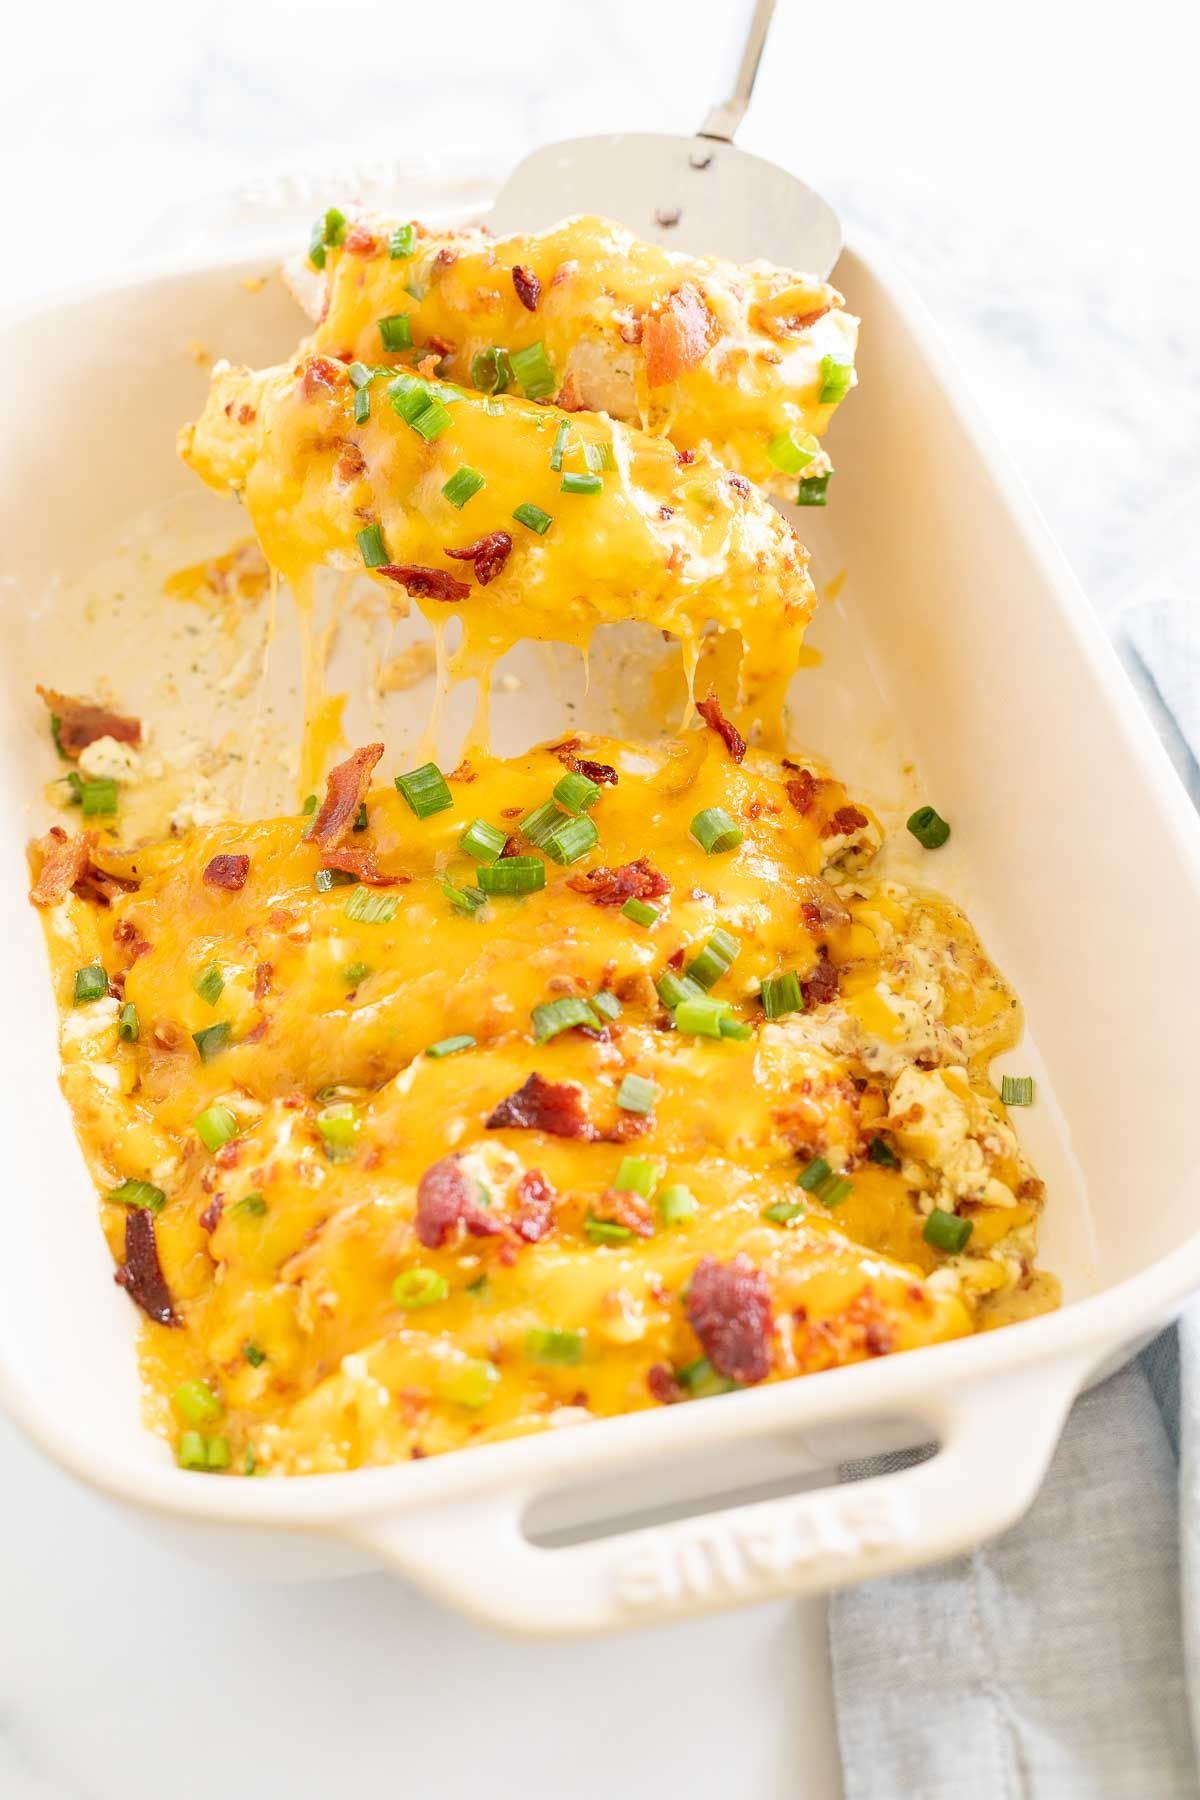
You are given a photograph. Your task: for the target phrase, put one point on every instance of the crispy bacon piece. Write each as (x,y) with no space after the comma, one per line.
(141,1273)
(620,1207)
(820,986)
(529,288)
(802,790)
(820,907)
(710,711)
(126,933)
(362,863)
(662,1384)
(604,773)
(210,1218)
(345,790)
(227,872)
(263,972)
(489,555)
(677,334)
(64,860)
(613,887)
(81,722)
(534,1215)
(729,1309)
(447,1198)
(318,373)
(539,1105)
(360,241)
(844,820)
(432,584)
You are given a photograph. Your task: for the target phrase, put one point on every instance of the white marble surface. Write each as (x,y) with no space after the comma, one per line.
(1031,168)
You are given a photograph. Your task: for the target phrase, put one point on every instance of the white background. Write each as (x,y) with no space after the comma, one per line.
(1033,168)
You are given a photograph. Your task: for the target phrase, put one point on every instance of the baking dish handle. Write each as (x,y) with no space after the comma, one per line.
(995,1443)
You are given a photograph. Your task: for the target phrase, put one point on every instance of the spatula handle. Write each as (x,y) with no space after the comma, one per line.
(725,117)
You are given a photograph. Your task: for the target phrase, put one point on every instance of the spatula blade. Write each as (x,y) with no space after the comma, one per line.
(698,195)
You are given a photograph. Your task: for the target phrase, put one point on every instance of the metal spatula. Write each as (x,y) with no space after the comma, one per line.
(699,194)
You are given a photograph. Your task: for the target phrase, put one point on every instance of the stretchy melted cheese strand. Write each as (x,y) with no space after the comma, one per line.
(745,362)
(672,543)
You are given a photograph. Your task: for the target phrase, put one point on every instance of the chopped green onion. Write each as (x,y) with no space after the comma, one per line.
(138,1193)
(835,381)
(672,989)
(702,1017)
(606,1231)
(1017,1090)
(491,370)
(56,737)
(533,517)
(482,842)
(462,485)
(781,994)
(881,1152)
(451,1046)
(402,242)
(254,1354)
(677,1203)
(811,491)
(359,374)
(370,907)
(606,1004)
(576,793)
(792,451)
(98,798)
(538,824)
(702,1381)
(946,1231)
(250,1462)
(783,1212)
(640,911)
(532,369)
(329,229)
(636,1175)
(216,1126)
(599,457)
(419,1287)
(472,1383)
(466,899)
(212,1040)
(355,972)
(90,984)
(431,421)
(372,548)
(426,790)
(218,1453)
(715,831)
(492,407)
(196,1402)
(581,484)
(570,840)
(127,1023)
(251,1206)
(362,406)
(560,444)
(637,1095)
(737,1029)
(513,875)
(714,960)
(396,331)
(360,818)
(191,1451)
(339,1127)
(415,291)
(409,395)
(324,879)
(310,805)
(545,1344)
(813,1174)
(928,827)
(479,1287)
(209,984)
(552,1016)
(818,1179)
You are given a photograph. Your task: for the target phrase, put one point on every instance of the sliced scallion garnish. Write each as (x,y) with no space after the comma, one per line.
(467,900)
(196,1403)
(551,1017)
(532,517)
(783,1212)
(209,984)
(216,1126)
(371,546)
(702,1017)
(599,457)
(781,994)
(677,1203)
(138,1193)
(451,1046)
(538,824)
(567,841)
(606,1004)
(415,1288)
(946,1231)
(636,1175)
(576,793)
(462,486)
(402,242)
(532,369)
(395,331)
(640,911)
(212,1040)
(835,379)
(98,798)
(90,984)
(370,907)
(559,446)
(513,875)
(715,831)
(546,1344)
(928,827)
(325,879)
(491,370)
(881,1152)
(637,1095)
(339,1126)
(128,1027)
(606,1231)
(812,490)
(1017,1090)
(581,484)
(714,960)
(672,989)
(482,842)
(792,451)
(426,790)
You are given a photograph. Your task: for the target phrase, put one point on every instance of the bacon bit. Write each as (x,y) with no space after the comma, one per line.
(539,1105)
(433,584)
(320,373)
(141,1273)
(660,1379)
(447,1198)
(210,1218)
(489,554)
(126,933)
(710,711)
(263,972)
(844,820)
(569,397)
(529,288)
(862,1328)
(617,1206)
(677,334)
(81,722)
(445,258)
(246,414)
(626,1127)
(820,907)
(440,346)
(345,790)
(739,484)
(255,1035)
(685,457)
(350,465)
(227,872)
(729,1309)
(534,1217)
(613,887)
(64,860)
(802,790)
(820,987)
(362,863)
(359,241)
(604,773)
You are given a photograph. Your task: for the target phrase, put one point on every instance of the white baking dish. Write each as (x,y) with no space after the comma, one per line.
(960,642)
